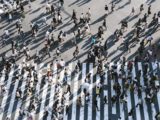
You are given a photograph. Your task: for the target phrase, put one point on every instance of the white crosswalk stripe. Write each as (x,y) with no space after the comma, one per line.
(20,102)
(158,94)
(28,99)
(98,99)
(42,105)
(136,95)
(75,86)
(67,96)
(106,94)
(75,94)
(154,67)
(90,91)
(4,101)
(38,86)
(13,96)
(146,116)
(113,93)
(121,104)
(52,91)
(82,94)
(128,97)
(2,78)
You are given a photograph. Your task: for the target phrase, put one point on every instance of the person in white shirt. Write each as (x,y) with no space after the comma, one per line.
(48,6)
(59,19)
(149,39)
(44,20)
(6,33)
(87,29)
(47,35)
(88,15)
(58,52)
(82,18)
(10,17)
(62,63)
(4,89)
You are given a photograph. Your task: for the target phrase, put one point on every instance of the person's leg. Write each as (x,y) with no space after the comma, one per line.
(150,42)
(49,54)
(97,107)
(129,49)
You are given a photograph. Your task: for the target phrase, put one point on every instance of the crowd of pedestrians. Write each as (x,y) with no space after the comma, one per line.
(97,54)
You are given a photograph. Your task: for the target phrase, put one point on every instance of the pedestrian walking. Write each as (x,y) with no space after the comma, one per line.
(104,24)
(97,91)
(157,116)
(82,21)
(10,17)
(149,10)
(52,10)
(67,109)
(130,113)
(76,52)
(48,6)
(61,2)
(58,52)
(105,99)
(149,40)
(132,11)
(59,19)
(21,7)
(141,8)
(79,102)
(73,15)
(96,105)
(44,20)
(106,9)
(88,15)
(126,43)
(48,50)
(112,7)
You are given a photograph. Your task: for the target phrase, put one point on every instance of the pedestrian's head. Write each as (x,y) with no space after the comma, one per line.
(76,46)
(61,32)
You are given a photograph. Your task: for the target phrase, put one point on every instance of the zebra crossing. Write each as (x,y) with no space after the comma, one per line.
(11,106)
